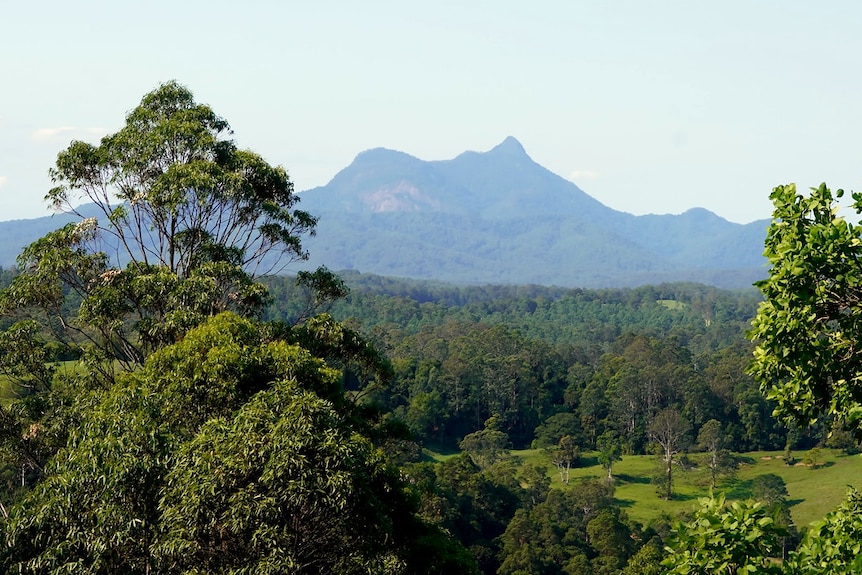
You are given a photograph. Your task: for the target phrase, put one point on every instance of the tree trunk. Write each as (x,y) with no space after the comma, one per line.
(669,469)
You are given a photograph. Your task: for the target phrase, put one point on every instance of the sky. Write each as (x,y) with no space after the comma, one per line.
(649,107)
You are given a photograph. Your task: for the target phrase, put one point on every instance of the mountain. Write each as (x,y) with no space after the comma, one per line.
(499,217)
(495,217)
(15,235)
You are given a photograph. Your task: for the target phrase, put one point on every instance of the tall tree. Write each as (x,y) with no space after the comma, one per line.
(174,223)
(668,429)
(610,451)
(710,438)
(486,446)
(564,456)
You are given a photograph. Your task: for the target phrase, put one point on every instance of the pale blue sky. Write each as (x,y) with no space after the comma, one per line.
(650,107)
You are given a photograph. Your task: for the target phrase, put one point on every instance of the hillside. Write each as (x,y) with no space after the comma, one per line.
(499,217)
(495,217)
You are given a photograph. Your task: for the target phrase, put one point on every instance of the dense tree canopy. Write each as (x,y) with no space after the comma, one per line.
(226,453)
(189,438)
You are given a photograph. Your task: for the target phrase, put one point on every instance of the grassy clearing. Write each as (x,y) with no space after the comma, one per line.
(672,304)
(7,391)
(812,492)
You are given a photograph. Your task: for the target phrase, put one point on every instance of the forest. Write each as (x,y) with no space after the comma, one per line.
(183,409)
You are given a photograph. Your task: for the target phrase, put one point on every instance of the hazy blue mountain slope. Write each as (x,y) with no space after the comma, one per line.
(505,183)
(15,235)
(495,217)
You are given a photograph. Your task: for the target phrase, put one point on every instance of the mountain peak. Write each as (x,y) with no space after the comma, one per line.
(509,146)
(376,155)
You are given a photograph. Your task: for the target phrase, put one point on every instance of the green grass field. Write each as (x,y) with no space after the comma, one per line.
(9,391)
(812,492)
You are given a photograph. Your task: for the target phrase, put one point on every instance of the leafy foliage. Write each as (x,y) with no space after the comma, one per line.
(807,356)
(226,452)
(173,192)
(486,446)
(573,530)
(834,544)
(474,505)
(191,438)
(609,449)
(723,537)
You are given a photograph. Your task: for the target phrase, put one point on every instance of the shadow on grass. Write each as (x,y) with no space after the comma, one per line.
(580,478)
(431,452)
(588,461)
(682,497)
(734,488)
(623,477)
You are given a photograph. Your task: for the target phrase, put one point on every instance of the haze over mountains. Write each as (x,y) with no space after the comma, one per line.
(499,217)
(495,217)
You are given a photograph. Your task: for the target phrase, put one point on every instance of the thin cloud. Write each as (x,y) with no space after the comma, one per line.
(45,134)
(65,132)
(2,181)
(584,175)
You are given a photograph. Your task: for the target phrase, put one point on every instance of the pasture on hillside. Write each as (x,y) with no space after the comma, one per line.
(812,491)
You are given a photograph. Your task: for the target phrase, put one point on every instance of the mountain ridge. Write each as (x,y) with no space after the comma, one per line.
(569,238)
(494,217)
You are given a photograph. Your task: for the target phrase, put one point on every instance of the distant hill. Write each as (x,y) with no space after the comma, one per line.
(499,217)
(15,235)
(495,217)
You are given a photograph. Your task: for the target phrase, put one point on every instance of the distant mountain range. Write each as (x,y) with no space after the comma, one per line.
(499,217)
(495,217)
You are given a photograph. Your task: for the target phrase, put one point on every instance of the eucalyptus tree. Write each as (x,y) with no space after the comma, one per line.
(669,430)
(173,223)
(710,438)
(609,448)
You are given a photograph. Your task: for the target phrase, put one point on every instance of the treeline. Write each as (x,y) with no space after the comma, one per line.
(702,317)
(483,369)
(553,362)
